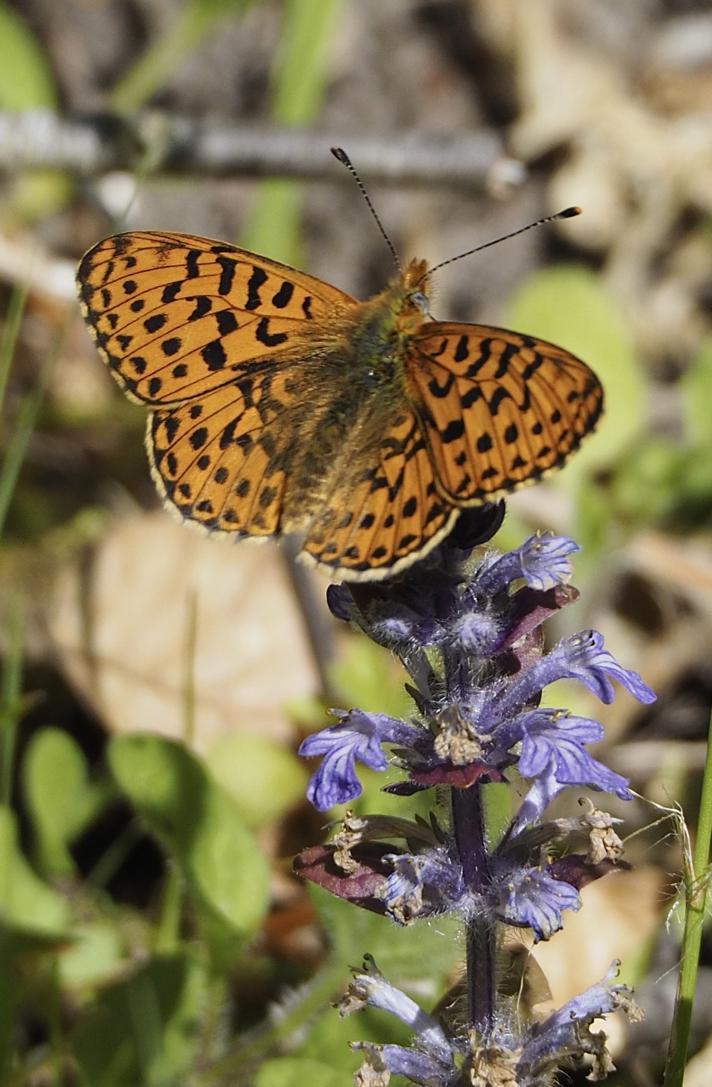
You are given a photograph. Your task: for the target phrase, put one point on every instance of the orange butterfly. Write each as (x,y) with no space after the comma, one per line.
(279,404)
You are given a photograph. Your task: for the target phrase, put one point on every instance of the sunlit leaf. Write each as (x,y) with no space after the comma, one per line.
(570,307)
(26,79)
(262,777)
(288,1071)
(27,905)
(58,794)
(696,392)
(199,825)
(144,1029)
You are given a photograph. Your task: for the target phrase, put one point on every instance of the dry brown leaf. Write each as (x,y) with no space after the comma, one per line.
(120,624)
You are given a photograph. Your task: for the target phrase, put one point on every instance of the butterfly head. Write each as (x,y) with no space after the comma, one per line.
(415,278)
(414,297)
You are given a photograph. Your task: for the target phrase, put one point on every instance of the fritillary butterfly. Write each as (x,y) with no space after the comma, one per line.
(279,404)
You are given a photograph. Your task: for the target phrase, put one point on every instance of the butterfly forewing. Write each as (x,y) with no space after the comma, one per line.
(499,409)
(177,316)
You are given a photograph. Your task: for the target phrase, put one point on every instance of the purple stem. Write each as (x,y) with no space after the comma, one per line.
(469,829)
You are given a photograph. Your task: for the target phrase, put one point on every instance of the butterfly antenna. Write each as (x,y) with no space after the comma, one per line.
(567,213)
(343,158)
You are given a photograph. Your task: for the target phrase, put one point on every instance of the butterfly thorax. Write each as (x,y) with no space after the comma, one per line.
(385,323)
(363,385)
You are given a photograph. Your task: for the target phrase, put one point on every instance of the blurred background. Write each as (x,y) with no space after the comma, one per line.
(155,684)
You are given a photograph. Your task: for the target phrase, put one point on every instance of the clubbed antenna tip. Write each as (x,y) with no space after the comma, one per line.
(341,156)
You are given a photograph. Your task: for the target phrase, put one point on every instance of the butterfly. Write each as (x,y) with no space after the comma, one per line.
(279,404)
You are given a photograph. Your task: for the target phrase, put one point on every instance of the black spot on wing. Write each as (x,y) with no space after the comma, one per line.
(498,396)
(155,323)
(171,346)
(283,296)
(170,292)
(482,359)
(199,437)
(227,274)
(462,349)
(203,305)
(264,336)
(454,430)
(254,284)
(226,322)
(213,355)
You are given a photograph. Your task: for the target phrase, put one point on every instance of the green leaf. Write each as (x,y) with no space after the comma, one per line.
(299,83)
(145,1029)
(156,67)
(569,306)
(696,392)
(27,905)
(366,675)
(26,79)
(59,796)
(649,480)
(199,825)
(289,1071)
(262,777)
(421,953)
(95,956)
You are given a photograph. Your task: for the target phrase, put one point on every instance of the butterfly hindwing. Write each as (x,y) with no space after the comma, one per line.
(177,316)
(374,521)
(222,462)
(499,409)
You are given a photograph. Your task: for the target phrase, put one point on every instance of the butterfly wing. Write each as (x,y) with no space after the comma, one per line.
(499,409)
(225,463)
(222,462)
(381,516)
(176,316)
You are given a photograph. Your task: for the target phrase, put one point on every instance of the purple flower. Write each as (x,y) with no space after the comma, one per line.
(542,560)
(553,754)
(470,636)
(358,735)
(476,631)
(437,1058)
(580,657)
(529,897)
(422,885)
(429,1062)
(584,658)
(566,1032)
(383,1061)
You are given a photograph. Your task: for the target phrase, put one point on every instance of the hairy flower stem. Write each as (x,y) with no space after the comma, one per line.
(469,830)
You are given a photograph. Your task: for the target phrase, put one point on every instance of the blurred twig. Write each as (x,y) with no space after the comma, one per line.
(93,144)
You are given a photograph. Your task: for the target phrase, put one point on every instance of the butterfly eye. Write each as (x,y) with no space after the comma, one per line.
(421,301)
